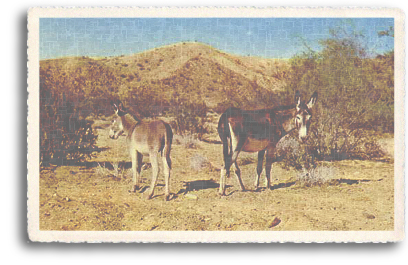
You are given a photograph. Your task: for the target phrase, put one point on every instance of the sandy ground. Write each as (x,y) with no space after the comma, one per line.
(88,196)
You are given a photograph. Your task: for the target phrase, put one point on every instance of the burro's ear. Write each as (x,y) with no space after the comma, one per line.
(115,107)
(312,100)
(121,108)
(297,99)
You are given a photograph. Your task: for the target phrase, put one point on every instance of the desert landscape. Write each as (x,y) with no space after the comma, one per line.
(189,85)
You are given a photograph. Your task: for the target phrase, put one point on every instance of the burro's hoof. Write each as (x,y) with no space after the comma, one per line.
(135,188)
(148,196)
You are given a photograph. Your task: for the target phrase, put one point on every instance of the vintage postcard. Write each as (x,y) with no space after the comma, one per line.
(215,124)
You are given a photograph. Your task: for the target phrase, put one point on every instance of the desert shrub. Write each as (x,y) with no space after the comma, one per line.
(64,136)
(293,154)
(318,176)
(320,146)
(71,90)
(88,84)
(224,105)
(187,141)
(340,144)
(145,101)
(199,162)
(356,96)
(190,118)
(116,172)
(331,140)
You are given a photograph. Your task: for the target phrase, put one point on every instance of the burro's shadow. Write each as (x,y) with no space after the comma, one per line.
(282,185)
(92,164)
(353,181)
(199,185)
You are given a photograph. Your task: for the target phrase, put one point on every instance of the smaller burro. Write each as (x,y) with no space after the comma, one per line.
(260,131)
(151,138)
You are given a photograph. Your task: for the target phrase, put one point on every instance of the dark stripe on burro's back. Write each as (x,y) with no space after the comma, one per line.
(258,124)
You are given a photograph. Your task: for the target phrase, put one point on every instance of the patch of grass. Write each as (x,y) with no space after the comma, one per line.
(318,176)
(187,141)
(116,172)
(199,162)
(246,161)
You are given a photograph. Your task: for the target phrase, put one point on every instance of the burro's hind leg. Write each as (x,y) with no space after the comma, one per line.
(225,170)
(166,170)
(137,159)
(155,172)
(268,167)
(261,155)
(237,170)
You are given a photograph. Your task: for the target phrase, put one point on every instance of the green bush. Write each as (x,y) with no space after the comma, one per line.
(71,90)
(63,135)
(356,96)
(190,118)
(293,154)
(145,101)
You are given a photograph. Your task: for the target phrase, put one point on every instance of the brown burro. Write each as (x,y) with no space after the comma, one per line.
(151,138)
(260,131)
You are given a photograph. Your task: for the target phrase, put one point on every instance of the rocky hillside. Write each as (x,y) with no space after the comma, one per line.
(187,70)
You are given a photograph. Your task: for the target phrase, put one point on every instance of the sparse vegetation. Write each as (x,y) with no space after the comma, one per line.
(187,141)
(190,118)
(188,87)
(356,96)
(293,154)
(64,136)
(199,162)
(318,176)
(102,171)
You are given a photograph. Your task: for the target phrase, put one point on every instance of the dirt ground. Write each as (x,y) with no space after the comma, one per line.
(95,196)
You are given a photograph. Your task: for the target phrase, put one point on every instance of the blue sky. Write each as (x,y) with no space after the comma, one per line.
(265,37)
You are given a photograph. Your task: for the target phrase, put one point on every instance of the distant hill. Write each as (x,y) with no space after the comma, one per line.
(188,70)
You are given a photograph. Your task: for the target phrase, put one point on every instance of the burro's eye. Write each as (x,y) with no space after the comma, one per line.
(297,117)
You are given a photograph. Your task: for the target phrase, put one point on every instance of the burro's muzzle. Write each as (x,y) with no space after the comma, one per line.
(112,134)
(303,133)
(115,130)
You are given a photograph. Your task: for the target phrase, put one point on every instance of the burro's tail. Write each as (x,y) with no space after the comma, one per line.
(223,128)
(168,139)
(224,131)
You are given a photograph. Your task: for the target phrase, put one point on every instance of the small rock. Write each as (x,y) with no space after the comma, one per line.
(274,222)
(369,216)
(190,196)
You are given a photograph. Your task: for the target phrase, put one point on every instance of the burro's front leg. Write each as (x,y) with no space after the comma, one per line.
(237,169)
(259,168)
(268,167)
(223,179)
